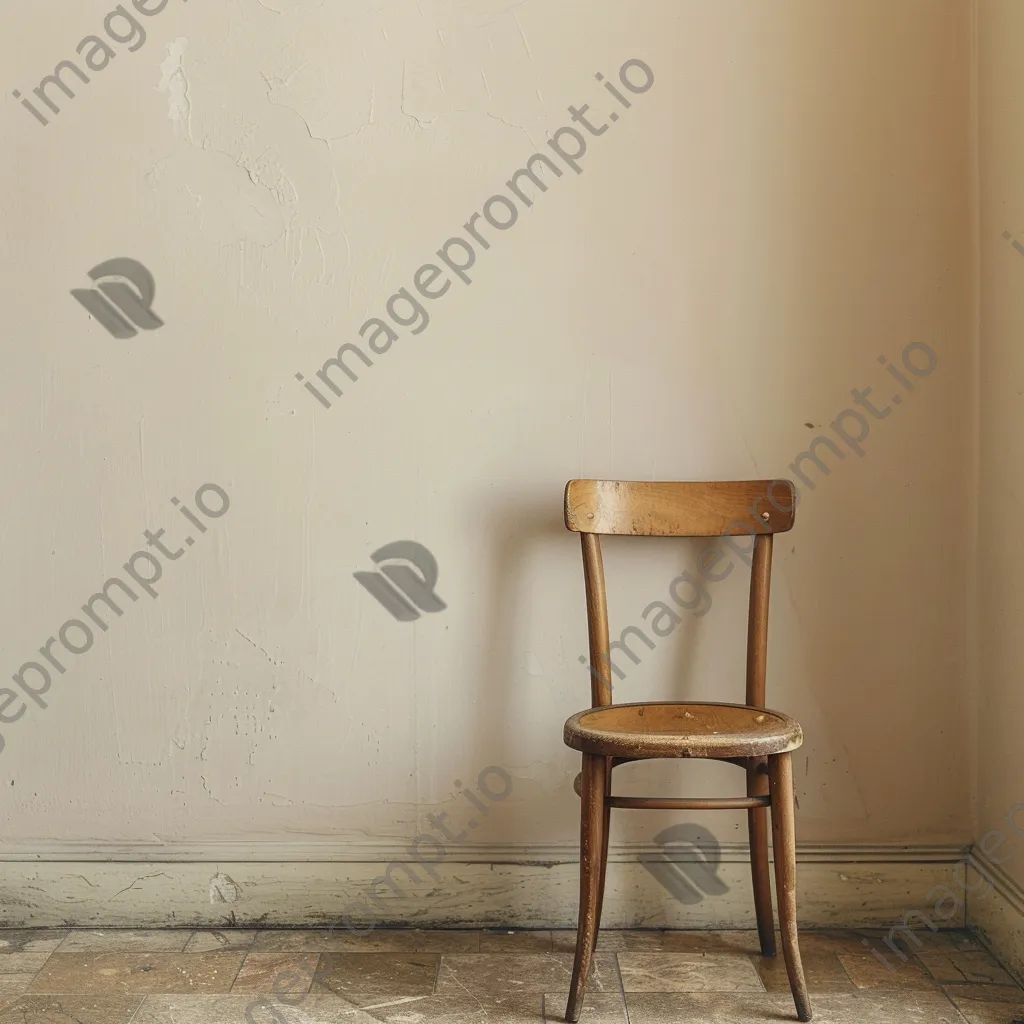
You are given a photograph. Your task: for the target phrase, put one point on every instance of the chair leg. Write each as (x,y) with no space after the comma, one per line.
(780,774)
(605,833)
(592,817)
(757,828)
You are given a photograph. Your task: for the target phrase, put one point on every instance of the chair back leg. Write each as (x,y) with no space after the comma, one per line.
(757,829)
(593,815)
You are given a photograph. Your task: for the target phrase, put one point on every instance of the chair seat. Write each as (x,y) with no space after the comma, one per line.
(682,730)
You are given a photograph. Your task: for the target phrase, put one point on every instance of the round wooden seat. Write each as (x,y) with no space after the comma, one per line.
(682,730)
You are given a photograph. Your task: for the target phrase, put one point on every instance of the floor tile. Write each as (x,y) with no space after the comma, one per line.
(839,940)
(905,1007)
(987,1004)
(127,973)
(919,938)
(965,940)
(516,1008)
(699,941)
(15,984)
(288,974)
(823,971)
(598,1008)
(490,977)
(31,940)
(124,940)
(627,940)
(394,941)
(710,1008)
(365,978)
(959,939)
(22,963)
(70,1010)
(484,975)
(232,1009)
(609,940)
(514,942)
(228,941)
(380,940)
(979,968)
(688,972)
(297,940)
(863,940)
(17,971)
(869,973)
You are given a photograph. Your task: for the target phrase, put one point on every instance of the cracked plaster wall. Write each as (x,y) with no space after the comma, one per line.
(787,202)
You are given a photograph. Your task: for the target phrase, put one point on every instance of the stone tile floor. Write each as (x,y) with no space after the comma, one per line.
(463,977)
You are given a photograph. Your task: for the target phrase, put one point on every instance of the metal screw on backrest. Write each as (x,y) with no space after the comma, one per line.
(765,516)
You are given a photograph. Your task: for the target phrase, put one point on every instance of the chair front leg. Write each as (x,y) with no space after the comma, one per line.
(592,819)
(780,775)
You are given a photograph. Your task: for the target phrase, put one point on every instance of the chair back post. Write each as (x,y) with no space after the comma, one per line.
(597,621)
(757,620)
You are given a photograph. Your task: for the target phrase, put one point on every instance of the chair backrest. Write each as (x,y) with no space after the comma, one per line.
(758,508)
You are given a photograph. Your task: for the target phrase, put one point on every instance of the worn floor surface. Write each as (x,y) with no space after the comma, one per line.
(320,977)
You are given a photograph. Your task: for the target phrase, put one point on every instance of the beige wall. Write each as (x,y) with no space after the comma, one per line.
(788,202)
(1000,558)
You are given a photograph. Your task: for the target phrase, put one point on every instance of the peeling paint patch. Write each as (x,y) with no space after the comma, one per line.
(173,81)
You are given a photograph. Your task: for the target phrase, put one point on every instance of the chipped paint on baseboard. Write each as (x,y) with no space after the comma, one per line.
(224,889)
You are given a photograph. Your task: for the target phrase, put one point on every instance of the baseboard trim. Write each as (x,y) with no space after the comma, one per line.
(232,884)
(275,852)
(998,916)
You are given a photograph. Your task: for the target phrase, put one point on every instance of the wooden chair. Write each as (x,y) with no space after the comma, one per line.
(747,735)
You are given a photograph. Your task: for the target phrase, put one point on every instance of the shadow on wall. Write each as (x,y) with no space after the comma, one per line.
(520,531)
